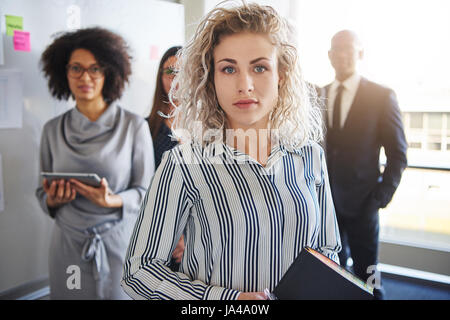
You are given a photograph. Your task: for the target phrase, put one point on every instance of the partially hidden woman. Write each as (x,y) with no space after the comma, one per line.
(160,122)
(250,189)
(93,225)
(159,119)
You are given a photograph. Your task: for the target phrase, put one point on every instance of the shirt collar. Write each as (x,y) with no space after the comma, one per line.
(106,120)
(351,83)
(216,149)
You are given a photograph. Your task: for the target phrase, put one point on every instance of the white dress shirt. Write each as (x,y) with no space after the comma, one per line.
(243,224)
(348,94)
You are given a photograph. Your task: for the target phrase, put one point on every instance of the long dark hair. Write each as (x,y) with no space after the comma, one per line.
(160,100)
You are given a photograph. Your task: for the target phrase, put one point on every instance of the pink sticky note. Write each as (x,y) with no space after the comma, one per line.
(154,54)
(21,40)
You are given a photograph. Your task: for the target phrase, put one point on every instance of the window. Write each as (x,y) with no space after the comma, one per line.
(416,120)
(435,121)
(412,59)
(419,211)
(434,146)
(434,131)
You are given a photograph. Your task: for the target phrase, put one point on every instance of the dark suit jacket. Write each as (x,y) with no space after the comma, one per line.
(353,152)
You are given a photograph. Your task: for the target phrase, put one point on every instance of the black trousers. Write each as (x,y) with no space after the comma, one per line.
(359,238)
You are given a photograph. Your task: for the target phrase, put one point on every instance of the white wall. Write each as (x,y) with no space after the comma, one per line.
(193,11)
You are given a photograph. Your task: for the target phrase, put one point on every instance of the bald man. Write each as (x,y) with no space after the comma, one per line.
(361,117)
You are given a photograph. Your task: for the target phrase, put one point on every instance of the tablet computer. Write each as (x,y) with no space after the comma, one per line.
(91,179)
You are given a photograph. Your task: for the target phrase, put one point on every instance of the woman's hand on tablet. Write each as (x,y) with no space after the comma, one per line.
(101,196)
(58,192)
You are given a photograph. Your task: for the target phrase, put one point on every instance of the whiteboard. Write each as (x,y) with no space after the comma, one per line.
(150,27)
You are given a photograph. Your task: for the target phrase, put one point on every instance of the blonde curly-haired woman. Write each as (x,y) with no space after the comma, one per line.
(248,187)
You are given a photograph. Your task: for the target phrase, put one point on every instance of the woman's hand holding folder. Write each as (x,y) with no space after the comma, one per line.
(252,296)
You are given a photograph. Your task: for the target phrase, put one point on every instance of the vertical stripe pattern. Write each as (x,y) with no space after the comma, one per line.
(243,224)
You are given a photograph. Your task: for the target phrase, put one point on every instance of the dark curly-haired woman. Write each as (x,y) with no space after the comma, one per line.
(92,224)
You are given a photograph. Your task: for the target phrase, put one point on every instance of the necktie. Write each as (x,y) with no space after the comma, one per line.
(337,108)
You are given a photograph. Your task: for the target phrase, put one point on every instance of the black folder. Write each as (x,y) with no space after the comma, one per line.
(314,276)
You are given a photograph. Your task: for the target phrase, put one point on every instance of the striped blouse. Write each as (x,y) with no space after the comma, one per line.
(243,223)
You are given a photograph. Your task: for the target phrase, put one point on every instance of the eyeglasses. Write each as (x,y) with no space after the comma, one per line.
(170,71)
(76,71)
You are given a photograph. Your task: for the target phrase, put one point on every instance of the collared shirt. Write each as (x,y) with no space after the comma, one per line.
(348,94)
(244,224)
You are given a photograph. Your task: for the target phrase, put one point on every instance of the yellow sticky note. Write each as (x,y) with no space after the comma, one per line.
(13,23)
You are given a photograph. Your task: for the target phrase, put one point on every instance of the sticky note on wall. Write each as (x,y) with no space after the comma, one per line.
(154,52)
(13,23)
(21,40)
(2,60)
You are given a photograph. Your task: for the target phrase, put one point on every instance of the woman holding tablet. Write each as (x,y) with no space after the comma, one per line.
(249,187)
(92,225)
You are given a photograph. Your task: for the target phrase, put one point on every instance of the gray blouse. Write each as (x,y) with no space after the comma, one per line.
(116,146)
